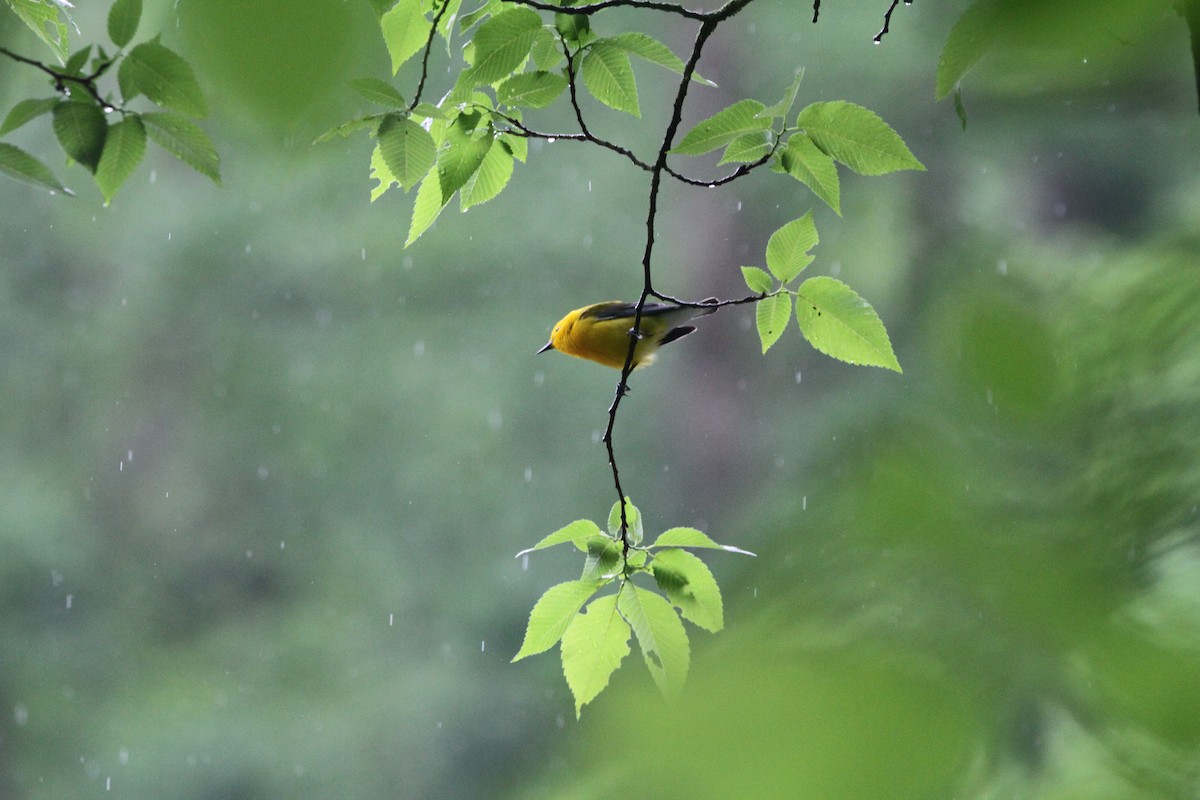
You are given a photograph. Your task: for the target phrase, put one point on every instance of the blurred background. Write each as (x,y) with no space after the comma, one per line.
(264,471)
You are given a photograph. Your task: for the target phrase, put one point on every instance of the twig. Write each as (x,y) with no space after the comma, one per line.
(887,20)
(437,20)
(88,82)
(592,8)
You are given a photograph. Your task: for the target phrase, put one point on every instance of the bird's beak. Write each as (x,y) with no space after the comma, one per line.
(549,346)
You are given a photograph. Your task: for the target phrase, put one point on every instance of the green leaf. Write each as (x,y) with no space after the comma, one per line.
(381,173)
(517,146)
(722,128)
(787,249)
(746,148)
(691,537)
(603,556)
(552,614)
(813,167)
(427,208)
(757,279)
(25,111)
(429,111)
(576,29)
(16,163)
(546,53)
(164,77)
(784,106)
(124,148)
(405,31)
(959,109)
(184,139)
(971,37)
(377,91)
(593,646)
(660,636)
(489,180)
(608,75)
(80,129)
(407,149)
(839,323)
(577,533)
(502,43)
(689,584)
(75,63)
(650,49)
(123,19)
(633,521)
(348,127)
(43,19)
(531,89)
(856,137)
(771,316)
(463,155)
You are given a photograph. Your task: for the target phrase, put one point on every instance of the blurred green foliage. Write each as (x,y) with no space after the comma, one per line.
(264,471)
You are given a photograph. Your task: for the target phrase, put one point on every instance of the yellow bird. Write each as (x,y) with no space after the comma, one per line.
(600,332)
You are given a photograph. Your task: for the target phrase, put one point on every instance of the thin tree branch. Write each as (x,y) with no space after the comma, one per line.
(709,23)
(61,79)
(887,20)
(592,8)
(437,20)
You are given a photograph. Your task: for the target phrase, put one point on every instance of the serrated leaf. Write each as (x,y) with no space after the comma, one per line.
(75,63)
(577,533)
(784,106)
(552,614)
(633,521)
(722,128)
(518,146)
(603,557)
(546,53)
(502,43)
(813,167)
(531,89)
(25,111)
(787,249)
(43,19)
(968,41)
(380,173)
(576,29)
(650,49)
(164,77)
(405,31)
(427,208)
(463,155)
(857,137)
(184,139)
(757,279)
(124,148)
(660,635)
(370,122)
(593,646)
(80,128)
(123,19)
(691,537)
(746,148)
(377,91)
(407,149)
(489,180)
(689,584)
(429,111)
(608,75)
(839,323)
(16,163)
(771,317)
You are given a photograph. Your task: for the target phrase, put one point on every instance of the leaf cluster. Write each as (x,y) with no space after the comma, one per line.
(80,111)
(832,316)
(594,640)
